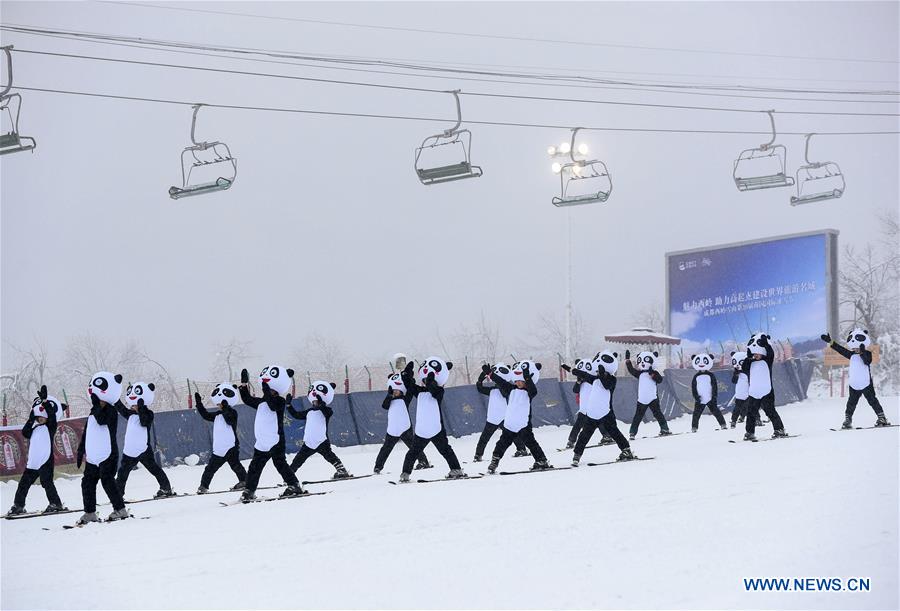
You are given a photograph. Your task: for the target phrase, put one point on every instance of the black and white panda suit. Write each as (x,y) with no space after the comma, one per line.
(758,367)
(861,383)
(40,453)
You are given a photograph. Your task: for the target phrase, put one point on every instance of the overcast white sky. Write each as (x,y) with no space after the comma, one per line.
(327,229)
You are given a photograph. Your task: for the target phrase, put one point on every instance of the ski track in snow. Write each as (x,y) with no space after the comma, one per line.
(680,531)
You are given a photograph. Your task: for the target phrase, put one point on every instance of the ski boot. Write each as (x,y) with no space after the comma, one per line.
(570,445)
(541,465)
(248,495)
(664,432)
(575,460)
(693,430)
(607,440)
(340,472)
(521,453)
(163,493)
(118,514)
(423,464)
(630,437)
(848,422)
(16,510)
(625,455)
(376,471)
(239,486)
(54,508)
(477,458)
(294,490)
(202,490)
(882,421)
(404,478)
(733,423)
(86,518)
(741,420)
(492,468)
(779,433)
(456,474)
(749,437)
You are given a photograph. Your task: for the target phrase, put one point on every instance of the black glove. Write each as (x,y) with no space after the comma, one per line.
(265,388)
(78,462)
(288,399)
(197,399)
(826,338)
(410,365)
(566,367)
(245,377)
(140,404)
(430,376)
(486,369)
(42,393)
(95,400)
(628,355)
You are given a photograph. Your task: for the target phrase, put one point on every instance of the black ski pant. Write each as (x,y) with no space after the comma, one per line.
(607,424)
(105,473)
(440,442)
(739,411)
(232,457)
(639,416)
(869,393)
(713,409)
(324,450)
(147,459)
(488,432)
(390,441)
(45,473)
(507,438)
(259,460)
(766,404)
(580,419)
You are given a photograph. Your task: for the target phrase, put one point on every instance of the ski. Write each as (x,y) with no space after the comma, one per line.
(71,526)
(336,479)
(766,439)
(616,462)
(657,436)
(160,498)
(596,445)
(533,471)
(866,428)
(265,499)
(432,481)
(38,514)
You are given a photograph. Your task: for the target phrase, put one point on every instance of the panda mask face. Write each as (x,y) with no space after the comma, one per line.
(277,377)
(608,360)
(646,360)
(37,407)
(140,390)
(395,382)
(857,338)
(225,393)
(758,343)
(323,391)
(702,362)
(107,386)
(737,359)
(586,365)
(519,369)
(503,371)
(436,365)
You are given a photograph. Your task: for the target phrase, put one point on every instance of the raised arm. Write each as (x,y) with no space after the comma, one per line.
(29,425)
(580,375)
(145,416)
(244,391)
(122,410)
(629,366)
(388,399)
(412,389)
(530,387)
(866,355)
(479,383)
(843,351)
(735,375)
(295,414)
(230,415)
(504,386)
(607,379)
(198,401)
(655,376)
(434,388)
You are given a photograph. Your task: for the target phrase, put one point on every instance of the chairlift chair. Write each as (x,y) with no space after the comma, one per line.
(582,181)
(12,141)
(204,155)
(762,167)
(450,141)
(817,181)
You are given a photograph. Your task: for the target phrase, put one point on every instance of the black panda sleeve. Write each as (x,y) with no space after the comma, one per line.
(844,352)
(434,388)
(204,413)
(145,415)
(123,411)
(386,404)
(714,385)
(29,426)
(105,415)
(412,389)
(631,369)
(745,367)
(770,354)
(530,387)
(480,387)
(249,399)
(230,415)
(297,415)
(694,388)
(576,388)
(735,376)
(866,355)
(504,386)
(656,376)
(607,379)
(584,376)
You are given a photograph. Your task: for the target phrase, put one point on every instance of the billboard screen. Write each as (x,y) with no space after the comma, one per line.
(718,296)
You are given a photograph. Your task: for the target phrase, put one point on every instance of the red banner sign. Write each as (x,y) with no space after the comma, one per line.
(14,446)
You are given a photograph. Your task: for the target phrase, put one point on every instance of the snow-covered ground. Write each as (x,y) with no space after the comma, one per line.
(681,531)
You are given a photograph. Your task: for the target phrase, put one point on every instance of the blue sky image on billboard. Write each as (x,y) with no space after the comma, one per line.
(723,295)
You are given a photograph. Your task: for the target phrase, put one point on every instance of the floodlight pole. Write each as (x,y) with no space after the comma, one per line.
(569,285)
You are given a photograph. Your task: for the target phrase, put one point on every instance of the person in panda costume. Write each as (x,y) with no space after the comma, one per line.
(519,391)
(39,431)
(741,389)
(226,448)
(268,428)
(861,384)
(758,367)
(496,409)
(705,390)
(136,411)
(99,448)
(583,392)
(315,434)
(433,374)
(399,426)
(648,379)
(599,414)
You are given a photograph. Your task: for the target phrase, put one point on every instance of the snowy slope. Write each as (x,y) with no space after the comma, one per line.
(680,531)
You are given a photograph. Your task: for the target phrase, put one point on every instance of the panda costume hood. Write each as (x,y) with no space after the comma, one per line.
(437,366)
(225,394)
(395,382)
(860,364)
(584,388)
(518,400)
(106,386)
(646,375)
(645,361)
(702,361)
(137,430)
(522,367)
(704,386)
(859,337)
(759,371)
(277,377)
(140,390)
(320,394)
(321,391)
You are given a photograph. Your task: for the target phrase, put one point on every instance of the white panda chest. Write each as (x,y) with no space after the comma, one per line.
(428,416)
(223,436)
(135,437)
(859,373)
(265,428)
(742,388)
(398,418)
(496,409)
(39,447)
(760,379)
(646,388)
(518,410)
(316,429)
(97,443)
(584,396)
(598,405)
(704,387)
